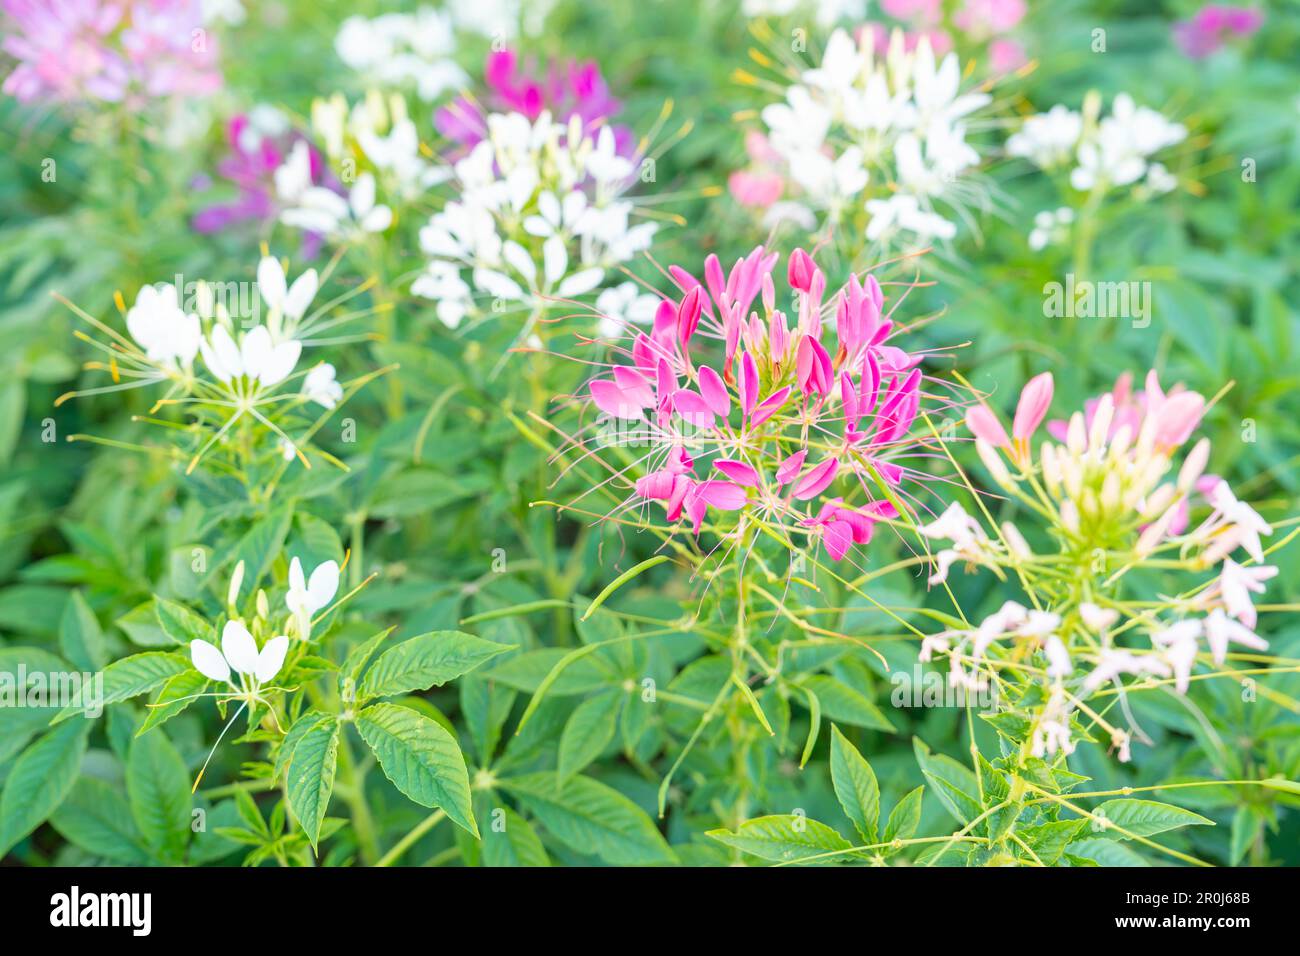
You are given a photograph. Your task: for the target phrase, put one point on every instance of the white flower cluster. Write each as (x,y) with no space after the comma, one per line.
(1107,153)
(373,146)
(397,50)
(246,362)
(540,212)
(897,125)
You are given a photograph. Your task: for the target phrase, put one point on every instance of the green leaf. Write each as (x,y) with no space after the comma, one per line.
(1247,824)
(592,819)
(1049,840)
(855,785)
(422,760)
(814,724)
(842,703)
(39,781)
(905,816)
(1145,817)
(131,677)
(159,788)
(588,731)
(425,661)
(80,637)
(176,695)
(96,818)
(311,775)
(180,623)
(358,658)
(784,839)
(1107,853)
(284,754)
(514,844)
(952,783)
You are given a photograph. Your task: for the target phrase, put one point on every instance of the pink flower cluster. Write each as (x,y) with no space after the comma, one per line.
(774,415)
(1206,32)
(574,89)
(981,21)
(108,50)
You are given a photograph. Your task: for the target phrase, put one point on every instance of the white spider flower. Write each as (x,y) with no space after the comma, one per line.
(285,301)
(1047,139)
(308,595)
(168,335)
(510,235)
(324,211)
(1220,630)
(623,305)
(239,656)
(256,358)
(888,135)
(321,387)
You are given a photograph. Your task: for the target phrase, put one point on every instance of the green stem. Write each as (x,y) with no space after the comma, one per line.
(406,842)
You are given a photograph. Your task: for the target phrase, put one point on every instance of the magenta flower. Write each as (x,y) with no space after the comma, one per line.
(574,89)
(1213,25)
(745,413)
(99,51)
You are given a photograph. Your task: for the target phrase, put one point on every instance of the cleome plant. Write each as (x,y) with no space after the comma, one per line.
(752,433)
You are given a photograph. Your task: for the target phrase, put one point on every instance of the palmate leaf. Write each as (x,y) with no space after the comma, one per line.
(159,788)
(40,780)
(785,838)
(422,759)
(591,818)
(426,661)
(855,785)
(311,775)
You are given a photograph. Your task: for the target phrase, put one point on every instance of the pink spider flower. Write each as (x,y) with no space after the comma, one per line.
(568,90)
(783,420)
(1213,25)
(127,51)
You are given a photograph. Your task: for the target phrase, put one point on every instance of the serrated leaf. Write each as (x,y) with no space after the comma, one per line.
(175,695)
(785,838)
(39,780)
(592,818)
(311,776)
(301,726)
(422,759)
(426,661)
(1049,840)
(587,732)
(855,785)
(96,818)
(1145,817)
(159,788)
(180,623)
(516,844)
(130,677)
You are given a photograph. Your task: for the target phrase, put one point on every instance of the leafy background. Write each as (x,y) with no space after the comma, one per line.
(440,497)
